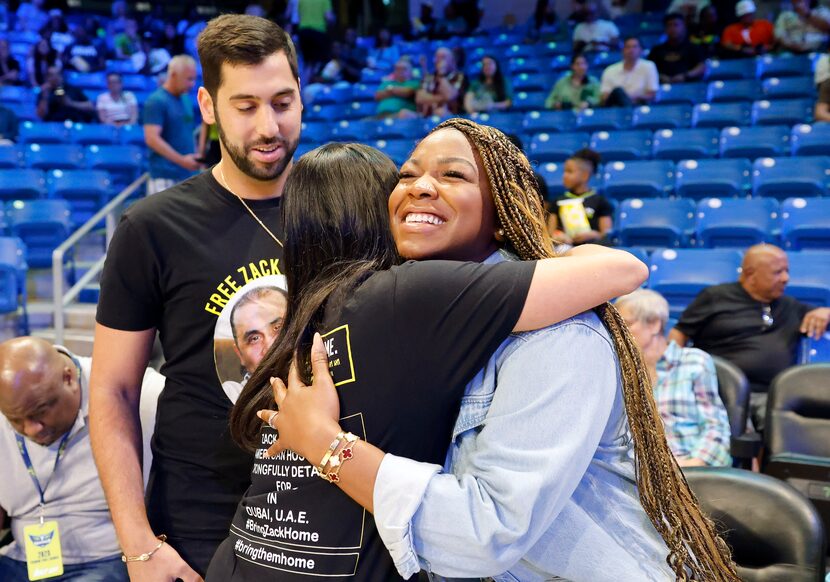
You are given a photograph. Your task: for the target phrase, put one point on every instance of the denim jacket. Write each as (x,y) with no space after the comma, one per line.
(539,478)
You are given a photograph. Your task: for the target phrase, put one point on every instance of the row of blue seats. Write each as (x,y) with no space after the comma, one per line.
(42,225)
(53,132)
(795,223)
(111,169)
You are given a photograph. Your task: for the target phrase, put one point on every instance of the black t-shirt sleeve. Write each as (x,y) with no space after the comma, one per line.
(694,317)
(604,208)
(450,316)
(130,291)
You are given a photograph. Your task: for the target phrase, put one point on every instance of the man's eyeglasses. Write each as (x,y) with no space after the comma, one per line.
(766,317)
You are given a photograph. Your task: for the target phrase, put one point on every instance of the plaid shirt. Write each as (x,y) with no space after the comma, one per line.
(690,406)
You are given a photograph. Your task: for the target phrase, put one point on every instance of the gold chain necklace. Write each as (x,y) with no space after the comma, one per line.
(248,208)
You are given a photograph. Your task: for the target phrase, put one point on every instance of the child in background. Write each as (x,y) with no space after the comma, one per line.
(582,214)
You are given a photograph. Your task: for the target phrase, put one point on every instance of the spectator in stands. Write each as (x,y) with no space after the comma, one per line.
(576,89)
(491,91)
(581,213)
(31,17)
(118,22)
(9,67)
(632,81)
(749,36)
(441,91)
(689,10)
(57,31)
(684,381)
(117,107)
(86,53)
(41,57)
(315,17)
(396,94)
(822,72)
(453,24)
(803,29)
(752,323)
(595,34)
(49,472)
(169,126)
(171,40)
(385,53)
(8,126)
(706,33)
(822,110)
(677,59)
(58,101)
(128,42)
(424,25)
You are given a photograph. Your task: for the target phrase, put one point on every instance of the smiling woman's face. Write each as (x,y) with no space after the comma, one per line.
(442,207)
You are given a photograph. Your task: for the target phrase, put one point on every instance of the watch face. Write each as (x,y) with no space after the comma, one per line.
(246,328)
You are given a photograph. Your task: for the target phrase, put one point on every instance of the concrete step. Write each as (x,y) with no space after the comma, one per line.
(80,315)
(78,341)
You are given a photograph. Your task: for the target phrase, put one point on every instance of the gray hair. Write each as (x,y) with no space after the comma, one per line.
(646,306)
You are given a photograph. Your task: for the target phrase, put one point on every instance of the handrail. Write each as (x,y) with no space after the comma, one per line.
(61,299)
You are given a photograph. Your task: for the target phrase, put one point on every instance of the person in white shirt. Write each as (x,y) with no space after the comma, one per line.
(117,107)
(595,34)
(632,81)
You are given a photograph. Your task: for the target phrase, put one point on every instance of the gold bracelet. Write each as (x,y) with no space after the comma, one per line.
(146,556)
(332,447)
(345,454)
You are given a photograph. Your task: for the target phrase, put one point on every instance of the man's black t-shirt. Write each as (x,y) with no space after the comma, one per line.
(401,349)
(674,60)
(724,320)
(175,261)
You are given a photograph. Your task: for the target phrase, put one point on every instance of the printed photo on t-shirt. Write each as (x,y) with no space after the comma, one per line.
(246,328)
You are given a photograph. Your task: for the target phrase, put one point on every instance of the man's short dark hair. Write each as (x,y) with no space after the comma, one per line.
(673,16)
(588,156)
(239,39)
(632,37)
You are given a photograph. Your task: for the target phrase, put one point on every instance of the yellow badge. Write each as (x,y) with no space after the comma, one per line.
(43,550)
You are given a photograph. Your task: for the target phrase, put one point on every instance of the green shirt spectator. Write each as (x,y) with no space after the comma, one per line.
(396,94)
(576,89)
(314,14)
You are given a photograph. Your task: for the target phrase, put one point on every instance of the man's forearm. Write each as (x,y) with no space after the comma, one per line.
(165,150)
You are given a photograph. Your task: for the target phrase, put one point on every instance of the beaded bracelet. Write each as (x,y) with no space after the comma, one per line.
(147,555)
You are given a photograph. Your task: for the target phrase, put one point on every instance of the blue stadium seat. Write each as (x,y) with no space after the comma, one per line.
(93,133)
(96,81)
(811,351)
(638,252)
(680,274)
(364,91)
(641,179)
(13,269)
(327,113)
(27,111)
(556,147)
(561,47)
(603,59)
(551,173)
(507,121)
(12,95)
(533,81)
(717,70)
(736,222)
(132,135)
(603,119)
(684,144)
(689,93)
(11,157)
(87,191)
(661,116)
(805,223)
(730,91)
(359,110)
(123,162)
(22,184)
(791,177)
(137,82)
(783,66)
(315,132)
(329,94)
(721,115)
(722,178)
(529,100)
(397,149)
(548,121)
(656,222)
(521,65)
(42,225)
(810,277)
(622,145)
(390,128)
(754,142)
(811,140)
(43,132)
(52,156)
(782,112)
(303,148)
(527,51)
(352,130)
(788,88)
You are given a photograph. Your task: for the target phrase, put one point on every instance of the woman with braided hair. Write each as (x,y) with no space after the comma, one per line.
(540,480)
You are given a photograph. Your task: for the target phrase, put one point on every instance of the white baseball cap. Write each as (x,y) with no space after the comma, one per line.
(744,7)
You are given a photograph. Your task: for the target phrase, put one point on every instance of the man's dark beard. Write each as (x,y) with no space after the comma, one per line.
(246,166)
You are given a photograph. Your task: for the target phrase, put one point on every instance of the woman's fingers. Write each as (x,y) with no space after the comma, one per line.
(279,390)
(294,380)
(319,358)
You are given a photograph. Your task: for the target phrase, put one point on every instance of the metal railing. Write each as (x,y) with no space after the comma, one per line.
(109,212)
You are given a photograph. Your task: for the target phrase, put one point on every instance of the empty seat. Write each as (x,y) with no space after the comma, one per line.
(359,110)
(754,142)
(123,162)
(622,145)
(551,173)
(805,223)
(13,95)
(13,269)
(814,351)
(721,114)
(603,59)
(661,116)
(783,111)
(691,93)
(783,66)
(603,119)
(53,156)
(533,82)
(729,91)
(520,65)
(86,190)
(721,178)
(11,157)
(641,179)
(791,177)
(641,254)
(397,149)
(680,274)
(684,144)
(529,100)
(22,184)
(93,133)
(657,222)
(96,81)
(507,121)
(42,225)
(717,70)
(736,222)
(43,132)
(811,140)
(810,277)
(788,88)
(315,132)
(399,129)
(329,94)
(364,91)
(556,147)
(351,130)
(132,135)
(547,121)
(328,113)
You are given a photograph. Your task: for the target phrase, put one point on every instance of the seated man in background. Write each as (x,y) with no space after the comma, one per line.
(632,81)
(49,473)
(752,323)
(749,36)
(677,59)
(685,384)
(804,29)
(116,106)
(58,101)
(396,94)
(595,34)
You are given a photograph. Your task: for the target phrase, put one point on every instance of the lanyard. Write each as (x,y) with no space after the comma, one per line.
(24,452)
